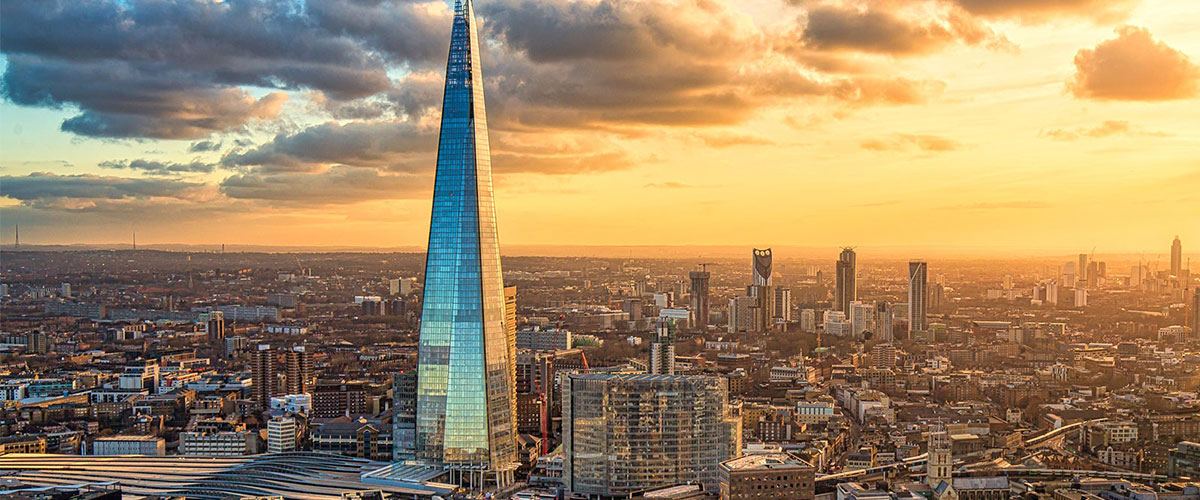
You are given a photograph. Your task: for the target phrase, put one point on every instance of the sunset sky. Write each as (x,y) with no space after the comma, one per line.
(1013,124)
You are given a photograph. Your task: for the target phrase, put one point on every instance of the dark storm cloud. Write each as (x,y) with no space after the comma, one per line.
(173,69)
(338,185)
(364,144)
(161,168)
(41,186)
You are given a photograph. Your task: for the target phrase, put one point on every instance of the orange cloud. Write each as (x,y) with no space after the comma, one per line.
(1134,67)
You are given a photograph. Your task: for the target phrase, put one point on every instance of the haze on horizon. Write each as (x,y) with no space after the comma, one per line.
(1049,126)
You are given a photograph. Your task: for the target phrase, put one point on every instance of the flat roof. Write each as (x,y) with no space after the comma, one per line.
(765,461)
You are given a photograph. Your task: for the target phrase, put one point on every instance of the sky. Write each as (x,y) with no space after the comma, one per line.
(1050,125)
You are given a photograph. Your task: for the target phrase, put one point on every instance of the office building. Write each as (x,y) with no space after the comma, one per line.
(808,321)
(152,446)
(1082,270)
(861,319)
(219,438)
(741,314)
(662,348)
(400,287)
(298,372)
(846,291)
(216,332)
(335,398)
(624,433)
(465,419)
(767,476)
(262,372)
(281,434)
(144,375)
(761,264)
(544,339)
(1195,312)
(404,416)
(918,272)
(699,297)
(1184,460)
(360,437)
(783,304)
(1176,257)
(883,322)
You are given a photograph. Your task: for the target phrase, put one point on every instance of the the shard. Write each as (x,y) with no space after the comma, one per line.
(465,419)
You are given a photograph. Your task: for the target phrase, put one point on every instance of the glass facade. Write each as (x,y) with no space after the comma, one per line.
(464,372)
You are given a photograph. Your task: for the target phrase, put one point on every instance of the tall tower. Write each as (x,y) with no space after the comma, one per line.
(1195,324)
(662,348)
(262,373)
(847,290)
(465,420)
(1082,270)
(918,294)
(298,371)
(699,295)
(1176,258)
(216,332)
(941,461)
(762,267)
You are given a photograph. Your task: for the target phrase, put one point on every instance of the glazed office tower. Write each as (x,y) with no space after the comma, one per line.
(465,421)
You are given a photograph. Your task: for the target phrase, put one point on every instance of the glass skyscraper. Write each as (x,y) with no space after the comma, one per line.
(465,420)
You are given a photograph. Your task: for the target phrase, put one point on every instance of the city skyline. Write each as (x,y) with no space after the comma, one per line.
(1009,127)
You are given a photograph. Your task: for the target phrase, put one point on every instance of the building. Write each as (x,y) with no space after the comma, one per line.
(298,370)
(1184,460)
(662,348)
(808,321)
(22,443)
(544,339)
(1195,322)
(359,437)
(846,291)
(918,294)
(783,304)
(1082,276)
(624,433)
(974,488)
(465,419)
(219,439)
(281,434)
(400,286)
(861,318)
(336,398)
(761,264)
(767,476)
(141,376)
(404,416)
(293,403)
(1176,257)
(151,446)
(741,314)
(262,372)
(883,321)
(699,297)
(941,458)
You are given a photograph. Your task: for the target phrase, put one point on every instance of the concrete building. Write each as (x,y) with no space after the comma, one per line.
(846,287)
(662,348)
(281,434)
(298,370)
(151,446)
(262,369)
(700,297)
(918,294)
(767,476)
(741,314)
(624,433)
(539,339)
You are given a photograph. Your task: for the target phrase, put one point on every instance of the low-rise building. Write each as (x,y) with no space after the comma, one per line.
(768,475)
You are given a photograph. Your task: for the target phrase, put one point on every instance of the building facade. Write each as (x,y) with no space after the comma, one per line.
(465,413)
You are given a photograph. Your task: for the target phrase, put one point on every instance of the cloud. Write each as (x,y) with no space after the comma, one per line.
(904,142)
(1100,11)
(337,186)
(396,145)
(1106,129)
(83,191)
(1133,67)
(879,30)
(730,139)
(204,146)
(667,185)
(161,168)
(1003,205)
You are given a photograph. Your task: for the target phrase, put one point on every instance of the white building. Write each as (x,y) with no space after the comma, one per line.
(861,316)
(281,435)
(293,403)
(808,321)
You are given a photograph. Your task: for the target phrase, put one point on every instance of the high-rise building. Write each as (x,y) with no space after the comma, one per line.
(861,319)
(624,433)
(808,320)
(847,289)
(404,416)
(1176,258)
(918,274)
(298,370)
(937,297)
(216,331)
(783,304)
(262,373)
(1082,270)
(762,267)
(1195,323)
(662,348)
(763,310)
(699,295)
(741,314)
(883,322)
(465,419)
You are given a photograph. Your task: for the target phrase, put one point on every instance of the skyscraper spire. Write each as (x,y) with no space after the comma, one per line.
(465,420)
